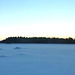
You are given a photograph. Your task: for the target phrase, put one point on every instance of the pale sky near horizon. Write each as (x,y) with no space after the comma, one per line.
(30,18)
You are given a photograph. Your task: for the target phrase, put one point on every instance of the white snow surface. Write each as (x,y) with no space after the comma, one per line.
(37,59)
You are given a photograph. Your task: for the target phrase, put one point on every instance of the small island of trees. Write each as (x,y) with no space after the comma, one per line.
(38,40)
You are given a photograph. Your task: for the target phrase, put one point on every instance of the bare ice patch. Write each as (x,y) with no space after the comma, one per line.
(1,49)
(3,56)
(20,54)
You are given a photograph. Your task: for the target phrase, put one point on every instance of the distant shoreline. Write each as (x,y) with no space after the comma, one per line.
(37,43)
(38,40)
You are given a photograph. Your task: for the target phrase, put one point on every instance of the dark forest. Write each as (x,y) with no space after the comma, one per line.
(38,40)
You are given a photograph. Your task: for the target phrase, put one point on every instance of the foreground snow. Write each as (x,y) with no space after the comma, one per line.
(37,59)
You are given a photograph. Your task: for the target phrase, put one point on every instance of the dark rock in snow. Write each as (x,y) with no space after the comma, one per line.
(17,48)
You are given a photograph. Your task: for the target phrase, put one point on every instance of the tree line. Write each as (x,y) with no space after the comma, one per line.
(38,40)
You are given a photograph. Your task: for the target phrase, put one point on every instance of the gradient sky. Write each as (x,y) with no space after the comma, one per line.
(49,18)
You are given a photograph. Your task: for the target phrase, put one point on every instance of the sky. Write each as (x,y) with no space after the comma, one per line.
(37,18)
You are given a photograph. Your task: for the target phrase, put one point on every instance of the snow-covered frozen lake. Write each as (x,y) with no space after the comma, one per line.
(37,59)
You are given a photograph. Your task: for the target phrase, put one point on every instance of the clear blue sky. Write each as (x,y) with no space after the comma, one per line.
(50,18)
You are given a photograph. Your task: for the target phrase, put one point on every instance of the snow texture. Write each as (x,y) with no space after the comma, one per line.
(37,59)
